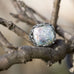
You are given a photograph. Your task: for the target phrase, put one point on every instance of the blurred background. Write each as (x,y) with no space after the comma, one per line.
(44,7)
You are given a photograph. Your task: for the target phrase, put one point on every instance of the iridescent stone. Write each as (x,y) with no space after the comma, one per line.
(43,34)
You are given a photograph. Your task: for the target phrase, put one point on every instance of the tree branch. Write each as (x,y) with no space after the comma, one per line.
(55,11)
(25,14)
(11,26)
(6,44)
(63,33)
(25,19)
(26,53)
(3,41)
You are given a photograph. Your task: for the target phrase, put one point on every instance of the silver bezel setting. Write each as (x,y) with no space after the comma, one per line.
(31,36)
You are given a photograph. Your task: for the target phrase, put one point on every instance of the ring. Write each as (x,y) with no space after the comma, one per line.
(43,34)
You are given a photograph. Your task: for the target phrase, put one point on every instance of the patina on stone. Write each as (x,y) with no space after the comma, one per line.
(43,34)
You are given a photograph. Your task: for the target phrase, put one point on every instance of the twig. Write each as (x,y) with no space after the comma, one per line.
(22,13)
(11,26)
(25,19)
(5,43)
(55,11)
(17,6)
(63,33)
(26,14)
(28,11)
